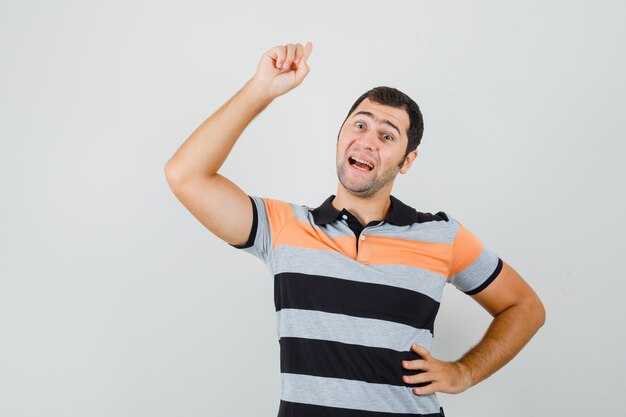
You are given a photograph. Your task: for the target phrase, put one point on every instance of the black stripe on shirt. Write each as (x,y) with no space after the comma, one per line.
(333,359)
(353,298)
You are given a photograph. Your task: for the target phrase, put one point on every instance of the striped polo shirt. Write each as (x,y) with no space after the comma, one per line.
(351,299)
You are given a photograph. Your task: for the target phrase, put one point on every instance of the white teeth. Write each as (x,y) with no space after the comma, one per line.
(363,162)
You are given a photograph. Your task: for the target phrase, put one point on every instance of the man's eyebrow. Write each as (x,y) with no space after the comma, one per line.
(366,113)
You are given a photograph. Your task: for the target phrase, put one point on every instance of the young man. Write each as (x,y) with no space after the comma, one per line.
(358,280)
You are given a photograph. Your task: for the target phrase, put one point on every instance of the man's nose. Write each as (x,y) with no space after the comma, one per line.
(369,140)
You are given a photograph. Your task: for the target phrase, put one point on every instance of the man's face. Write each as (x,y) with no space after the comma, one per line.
(374,139)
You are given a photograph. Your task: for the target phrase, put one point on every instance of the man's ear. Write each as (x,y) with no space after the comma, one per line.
(408,161)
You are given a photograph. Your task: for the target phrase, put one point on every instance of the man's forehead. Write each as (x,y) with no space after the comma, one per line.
(381,113)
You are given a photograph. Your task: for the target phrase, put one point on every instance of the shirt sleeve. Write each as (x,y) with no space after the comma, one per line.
(473,266)
(260,239)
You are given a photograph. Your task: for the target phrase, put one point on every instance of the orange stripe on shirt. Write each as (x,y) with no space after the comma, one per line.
(431,256)
(381,250)
(303,235)
(278,214)
(287,230)
(466,248)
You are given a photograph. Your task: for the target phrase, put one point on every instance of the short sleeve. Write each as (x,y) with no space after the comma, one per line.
(473,265)
(269,217)
(260,238)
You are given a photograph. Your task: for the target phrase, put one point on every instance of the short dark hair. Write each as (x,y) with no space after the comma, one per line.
(390,96)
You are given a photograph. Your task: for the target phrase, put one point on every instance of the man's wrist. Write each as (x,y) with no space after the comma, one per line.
(256,90)
(465,374)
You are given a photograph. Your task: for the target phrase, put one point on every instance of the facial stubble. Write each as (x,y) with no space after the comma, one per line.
(373,185)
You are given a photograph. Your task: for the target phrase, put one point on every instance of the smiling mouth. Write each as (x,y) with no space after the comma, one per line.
(360,165)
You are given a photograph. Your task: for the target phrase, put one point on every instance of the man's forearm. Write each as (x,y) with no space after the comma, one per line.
(506,336)
(204,152)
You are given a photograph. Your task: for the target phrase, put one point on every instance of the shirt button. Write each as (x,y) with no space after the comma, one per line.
(344,217)
(362,237)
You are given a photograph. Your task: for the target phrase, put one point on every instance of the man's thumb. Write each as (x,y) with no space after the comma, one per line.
(302,71)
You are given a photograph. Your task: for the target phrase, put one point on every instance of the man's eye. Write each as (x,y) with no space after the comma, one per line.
(386,134)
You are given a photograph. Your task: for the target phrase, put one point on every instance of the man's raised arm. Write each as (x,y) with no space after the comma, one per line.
(192,172)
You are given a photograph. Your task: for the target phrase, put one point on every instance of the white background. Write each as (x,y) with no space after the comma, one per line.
(116,301)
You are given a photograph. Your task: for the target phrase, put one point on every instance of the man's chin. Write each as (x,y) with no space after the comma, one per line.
(361,190)
(357,188)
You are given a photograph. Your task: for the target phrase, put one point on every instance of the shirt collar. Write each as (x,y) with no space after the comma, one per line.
(400,214)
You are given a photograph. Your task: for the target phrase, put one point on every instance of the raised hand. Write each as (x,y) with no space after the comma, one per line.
(282,68)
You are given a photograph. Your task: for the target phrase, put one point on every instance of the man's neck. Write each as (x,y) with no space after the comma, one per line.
(375,207)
